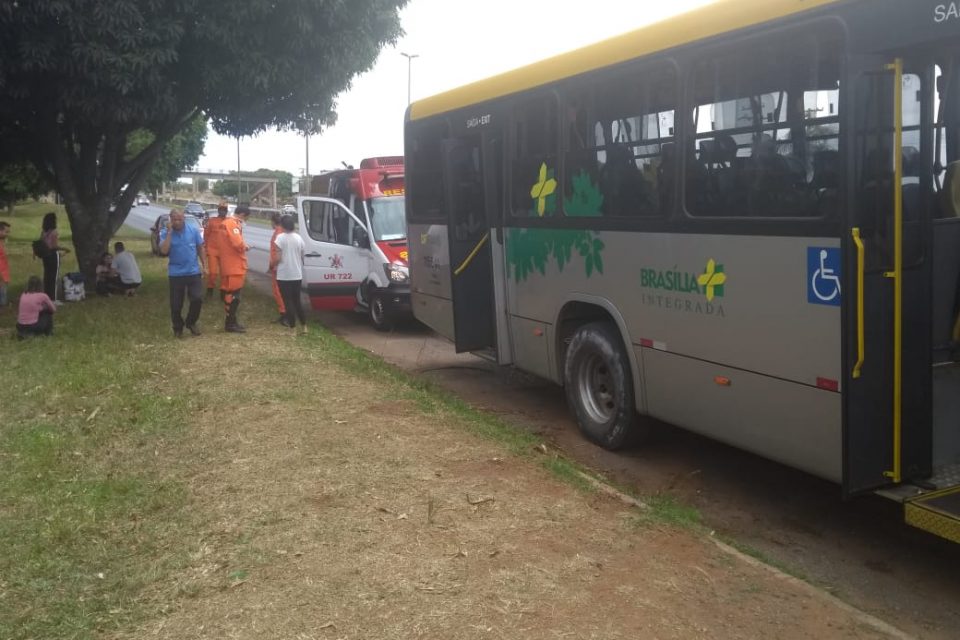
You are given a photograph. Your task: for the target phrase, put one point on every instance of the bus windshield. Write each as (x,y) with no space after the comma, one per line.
(387,218)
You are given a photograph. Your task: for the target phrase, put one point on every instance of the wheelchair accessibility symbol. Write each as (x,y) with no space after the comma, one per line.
(823,276)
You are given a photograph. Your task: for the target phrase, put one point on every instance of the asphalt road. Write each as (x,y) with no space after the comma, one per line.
(859,550)
(143,217)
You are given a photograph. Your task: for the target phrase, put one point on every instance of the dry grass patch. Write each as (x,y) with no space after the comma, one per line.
(335,507)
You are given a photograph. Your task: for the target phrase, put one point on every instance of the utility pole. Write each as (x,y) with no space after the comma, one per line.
(306,186)
(409,57)
(239,181)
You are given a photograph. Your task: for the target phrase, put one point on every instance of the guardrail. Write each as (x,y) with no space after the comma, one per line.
(256,212)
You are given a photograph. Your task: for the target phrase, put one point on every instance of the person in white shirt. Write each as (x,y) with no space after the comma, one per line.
(125,264)
(287,263)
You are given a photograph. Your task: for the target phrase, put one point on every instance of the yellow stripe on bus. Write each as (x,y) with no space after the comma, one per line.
(720,17)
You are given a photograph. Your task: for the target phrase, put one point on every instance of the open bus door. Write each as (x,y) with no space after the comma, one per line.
(902,425)
(471,268)
(887,426)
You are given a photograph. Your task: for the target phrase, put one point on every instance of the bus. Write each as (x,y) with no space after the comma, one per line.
(742,221)
(356,240)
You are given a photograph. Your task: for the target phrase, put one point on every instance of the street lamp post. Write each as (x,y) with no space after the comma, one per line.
(239,180)
(409,57)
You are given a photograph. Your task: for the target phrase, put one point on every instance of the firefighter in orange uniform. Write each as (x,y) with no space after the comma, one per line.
(277,230)
(212,238)
(233,266)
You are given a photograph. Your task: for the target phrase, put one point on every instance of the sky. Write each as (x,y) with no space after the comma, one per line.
(457,42)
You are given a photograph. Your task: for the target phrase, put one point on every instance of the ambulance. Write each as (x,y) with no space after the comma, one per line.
(356,241)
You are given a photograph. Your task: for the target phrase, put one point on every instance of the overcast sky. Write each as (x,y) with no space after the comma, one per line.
(458,42)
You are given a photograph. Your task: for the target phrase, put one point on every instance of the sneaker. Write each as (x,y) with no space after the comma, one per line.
(178,333)
(58,303)
(194,329)
(303,330)
(235,328)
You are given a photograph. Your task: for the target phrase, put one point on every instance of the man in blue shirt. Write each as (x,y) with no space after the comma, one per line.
(184,244)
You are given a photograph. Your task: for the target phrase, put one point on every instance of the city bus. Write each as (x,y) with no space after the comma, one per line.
(742,221)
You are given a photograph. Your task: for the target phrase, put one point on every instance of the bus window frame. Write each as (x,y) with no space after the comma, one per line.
(591,85)
(834,28)
(512,104)
(410,167)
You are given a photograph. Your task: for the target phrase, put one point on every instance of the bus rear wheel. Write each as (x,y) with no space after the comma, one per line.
(599,386)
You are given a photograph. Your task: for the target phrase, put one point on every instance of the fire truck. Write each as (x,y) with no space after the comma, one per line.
(355,233)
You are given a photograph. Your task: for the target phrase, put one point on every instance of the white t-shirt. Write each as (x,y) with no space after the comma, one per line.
(291,249)
(126,266)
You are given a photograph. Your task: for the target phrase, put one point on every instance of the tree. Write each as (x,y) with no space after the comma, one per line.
(19,181)
(228,187)
(182,151)
(79,77)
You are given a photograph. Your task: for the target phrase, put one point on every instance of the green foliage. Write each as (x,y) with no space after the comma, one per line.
(78,78)
(587,200)
(228,188)
(181,152)
(20,181)
(530,250)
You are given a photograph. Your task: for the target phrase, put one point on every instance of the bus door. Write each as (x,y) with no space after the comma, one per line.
(887,426)
(469,241)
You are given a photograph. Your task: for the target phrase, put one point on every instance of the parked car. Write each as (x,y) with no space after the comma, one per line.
(142,200)
(160,223)
(194,209)
(288,209)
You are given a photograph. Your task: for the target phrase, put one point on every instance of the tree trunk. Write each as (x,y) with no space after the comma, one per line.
(92,176)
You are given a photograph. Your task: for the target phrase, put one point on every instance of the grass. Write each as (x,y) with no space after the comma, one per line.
(90,519)
(85,523)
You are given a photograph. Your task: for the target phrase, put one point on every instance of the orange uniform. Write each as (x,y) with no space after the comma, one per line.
(273,256)
(233,269)
(212,234)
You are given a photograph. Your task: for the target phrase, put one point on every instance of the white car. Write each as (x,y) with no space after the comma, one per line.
(142,199)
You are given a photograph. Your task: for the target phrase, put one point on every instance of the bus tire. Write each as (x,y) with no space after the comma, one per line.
(379,312)
(599,386)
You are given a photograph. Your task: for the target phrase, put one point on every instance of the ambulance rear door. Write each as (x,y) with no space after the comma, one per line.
(337,247)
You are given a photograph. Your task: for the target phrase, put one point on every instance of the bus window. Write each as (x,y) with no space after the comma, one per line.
(425,169)
(766,127)
(534,190)
(616,136)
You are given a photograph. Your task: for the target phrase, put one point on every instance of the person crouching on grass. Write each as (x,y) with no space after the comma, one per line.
(35,314)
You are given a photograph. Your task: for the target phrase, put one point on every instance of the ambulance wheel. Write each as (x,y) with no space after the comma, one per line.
(379,312)
(599,386)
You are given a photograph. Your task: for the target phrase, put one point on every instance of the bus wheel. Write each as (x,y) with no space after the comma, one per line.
(379,312)
(599,385)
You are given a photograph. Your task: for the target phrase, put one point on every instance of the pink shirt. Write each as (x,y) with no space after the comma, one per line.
(31,304)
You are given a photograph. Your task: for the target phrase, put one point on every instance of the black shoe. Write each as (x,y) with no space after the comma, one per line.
(178,333)
(235,327)
(280,320)
(194,329)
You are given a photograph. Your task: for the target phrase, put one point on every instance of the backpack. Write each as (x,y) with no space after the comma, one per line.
(40,248)
(73,287)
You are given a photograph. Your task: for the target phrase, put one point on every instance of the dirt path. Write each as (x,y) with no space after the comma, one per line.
(341,507)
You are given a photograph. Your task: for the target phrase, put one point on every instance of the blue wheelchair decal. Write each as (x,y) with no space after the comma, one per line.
(823,276)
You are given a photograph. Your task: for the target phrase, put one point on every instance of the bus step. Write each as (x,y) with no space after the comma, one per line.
(937,513)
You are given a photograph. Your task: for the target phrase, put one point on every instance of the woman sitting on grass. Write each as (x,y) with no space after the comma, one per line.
(108,280)
(35,314)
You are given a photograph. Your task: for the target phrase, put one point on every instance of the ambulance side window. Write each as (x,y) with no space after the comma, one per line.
(328,222)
